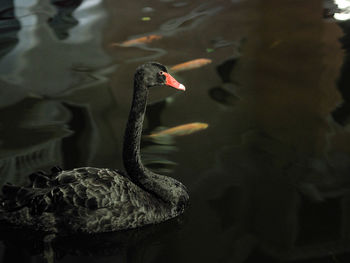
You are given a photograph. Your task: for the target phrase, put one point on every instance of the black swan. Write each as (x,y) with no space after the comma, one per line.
(94,200)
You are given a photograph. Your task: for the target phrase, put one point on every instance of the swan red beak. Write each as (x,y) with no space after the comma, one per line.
(170,81)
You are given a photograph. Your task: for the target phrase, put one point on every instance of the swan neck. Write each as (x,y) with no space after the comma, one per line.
(163,188)
(133,132)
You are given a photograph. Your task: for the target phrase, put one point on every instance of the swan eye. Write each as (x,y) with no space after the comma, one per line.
(161,72)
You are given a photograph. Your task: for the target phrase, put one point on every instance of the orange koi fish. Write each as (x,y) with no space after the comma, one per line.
(180,130)
(192,64)
(138,41)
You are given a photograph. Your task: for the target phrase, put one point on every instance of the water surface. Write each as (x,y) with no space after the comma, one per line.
(269,177)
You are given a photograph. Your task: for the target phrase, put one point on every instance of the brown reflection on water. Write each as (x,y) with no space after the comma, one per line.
(297,62)
(277,181)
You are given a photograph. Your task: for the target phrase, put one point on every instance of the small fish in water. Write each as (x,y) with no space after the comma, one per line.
(137,41)
(192,64)
(180,130)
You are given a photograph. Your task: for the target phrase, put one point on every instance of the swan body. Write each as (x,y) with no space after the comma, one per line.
(85,199)
(94,200)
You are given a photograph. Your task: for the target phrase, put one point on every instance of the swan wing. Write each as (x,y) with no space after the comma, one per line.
(87,187)
(83,199)
(95,188)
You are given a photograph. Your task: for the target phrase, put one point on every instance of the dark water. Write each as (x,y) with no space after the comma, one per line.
(270,177)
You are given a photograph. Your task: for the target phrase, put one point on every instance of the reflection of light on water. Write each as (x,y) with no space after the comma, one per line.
(41,63)
(341,16)
(196,16)
(29,11)
(89,13)
(344,6)
(175,25)
(342,3)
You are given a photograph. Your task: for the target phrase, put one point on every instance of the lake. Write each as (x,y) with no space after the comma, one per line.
(268,177)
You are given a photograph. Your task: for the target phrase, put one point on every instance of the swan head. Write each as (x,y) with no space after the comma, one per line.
(155,74)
